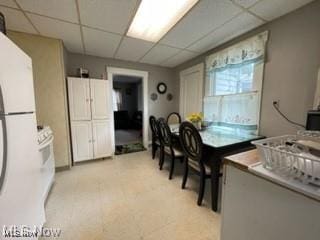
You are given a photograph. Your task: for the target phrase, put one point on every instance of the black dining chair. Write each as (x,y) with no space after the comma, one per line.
(169,146)
(174,118)
(192,146)
(155,142)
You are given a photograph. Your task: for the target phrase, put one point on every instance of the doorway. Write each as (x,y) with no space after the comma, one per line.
(129,98)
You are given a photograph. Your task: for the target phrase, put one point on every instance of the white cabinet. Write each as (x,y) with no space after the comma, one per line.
(99,99)
(90,110)
(254,208)
(101,138)
(82,140)
(79,99)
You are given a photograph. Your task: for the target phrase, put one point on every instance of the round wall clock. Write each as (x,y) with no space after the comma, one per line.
(162,88)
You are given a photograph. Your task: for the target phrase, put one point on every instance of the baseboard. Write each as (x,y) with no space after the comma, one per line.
(62,168)
(93,160)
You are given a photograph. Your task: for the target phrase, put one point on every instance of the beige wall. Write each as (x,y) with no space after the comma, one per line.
(293,60)
(49,81)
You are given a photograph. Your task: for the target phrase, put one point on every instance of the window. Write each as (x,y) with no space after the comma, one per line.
(237,79)
(234,83)
(233,98)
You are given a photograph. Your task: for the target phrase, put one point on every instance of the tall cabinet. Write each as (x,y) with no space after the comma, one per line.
(90,111)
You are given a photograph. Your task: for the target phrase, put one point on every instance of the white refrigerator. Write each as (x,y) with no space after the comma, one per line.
(21,201)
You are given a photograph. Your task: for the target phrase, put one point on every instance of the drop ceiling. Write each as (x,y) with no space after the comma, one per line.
(98,27)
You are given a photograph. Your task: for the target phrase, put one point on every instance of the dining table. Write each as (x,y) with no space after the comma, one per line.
(218,142)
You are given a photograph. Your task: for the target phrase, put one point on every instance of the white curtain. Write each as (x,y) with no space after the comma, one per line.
(212,109)
(235,109)
(116,99)
(248,50)
(239,108)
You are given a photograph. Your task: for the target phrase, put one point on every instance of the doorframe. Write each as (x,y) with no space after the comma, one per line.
(316,101)
(136,73)
(196,68)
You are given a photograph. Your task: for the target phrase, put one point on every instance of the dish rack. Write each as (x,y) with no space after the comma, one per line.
(283,156)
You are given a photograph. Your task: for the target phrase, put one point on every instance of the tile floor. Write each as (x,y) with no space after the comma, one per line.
(129,198)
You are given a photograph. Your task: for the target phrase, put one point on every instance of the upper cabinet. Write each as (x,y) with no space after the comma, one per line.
(89,99)
(79,99)
(100,99)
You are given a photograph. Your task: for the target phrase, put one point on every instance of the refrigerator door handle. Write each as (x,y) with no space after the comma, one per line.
(3,166)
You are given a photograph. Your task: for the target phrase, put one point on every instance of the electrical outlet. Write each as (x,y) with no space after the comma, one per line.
(276,103)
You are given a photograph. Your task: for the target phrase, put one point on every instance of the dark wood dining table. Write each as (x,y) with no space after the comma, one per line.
(220,141)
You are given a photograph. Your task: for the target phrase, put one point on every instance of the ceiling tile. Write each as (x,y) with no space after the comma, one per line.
(16,20)
(8,3)
(65,10)
(237,26)
(159,54)
(133,49)
(202,19)
(111,15)
(271,9)
(68,32)
(181,57)
(246,3)
(100,43)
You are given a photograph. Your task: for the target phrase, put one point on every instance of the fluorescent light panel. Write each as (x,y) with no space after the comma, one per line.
(155,18)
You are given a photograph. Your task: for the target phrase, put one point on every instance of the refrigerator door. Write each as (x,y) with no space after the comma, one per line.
(16,78)
(3,150)
(21,201)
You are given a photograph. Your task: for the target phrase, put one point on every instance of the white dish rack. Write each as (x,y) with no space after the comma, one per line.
(282,156)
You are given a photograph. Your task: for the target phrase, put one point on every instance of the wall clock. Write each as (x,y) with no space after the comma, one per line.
(162,88)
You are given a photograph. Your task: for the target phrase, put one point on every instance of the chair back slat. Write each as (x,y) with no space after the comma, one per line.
(153,126)
(191,141)
(164,132)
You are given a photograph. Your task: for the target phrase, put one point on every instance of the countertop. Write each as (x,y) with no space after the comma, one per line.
(243,160)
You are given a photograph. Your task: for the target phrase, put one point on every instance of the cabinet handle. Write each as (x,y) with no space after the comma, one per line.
(90,141)
(87,100)
(91,99)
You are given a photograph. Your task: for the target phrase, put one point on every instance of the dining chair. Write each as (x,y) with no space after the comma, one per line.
(155,141)
(169,146)
(192,146)
(174,118)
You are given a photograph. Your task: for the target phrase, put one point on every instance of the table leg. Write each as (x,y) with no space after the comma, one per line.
(215,174)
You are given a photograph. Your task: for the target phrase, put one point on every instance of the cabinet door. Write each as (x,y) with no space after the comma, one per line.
(82,140)
(102,146)
(79,99)
(100,99)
